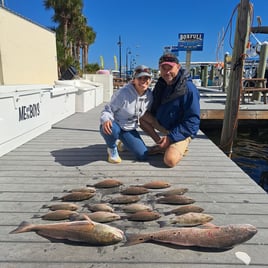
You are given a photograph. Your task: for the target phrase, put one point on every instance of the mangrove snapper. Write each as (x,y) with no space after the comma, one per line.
(175,200)
(184,209)
(61,206)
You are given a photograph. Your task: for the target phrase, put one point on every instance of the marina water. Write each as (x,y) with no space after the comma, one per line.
(249,152)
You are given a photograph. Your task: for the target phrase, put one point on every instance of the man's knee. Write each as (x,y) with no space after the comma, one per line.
(172,158)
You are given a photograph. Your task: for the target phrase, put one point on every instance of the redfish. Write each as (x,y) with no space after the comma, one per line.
(220,237)
(86,231)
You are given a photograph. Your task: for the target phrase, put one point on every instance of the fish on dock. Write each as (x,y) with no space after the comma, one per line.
(132,208)
(125,199)
(175,200)
(98,216)
(143,216)
(99,207)
(62,206)
(106,183)
(155,184)
(188,219)
(184,209)
(179,191)
(82,189)
(219,237)
(57,215)
(134,190)
(75,196)
(86,231)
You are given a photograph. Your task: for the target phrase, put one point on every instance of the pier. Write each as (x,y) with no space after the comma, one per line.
(73,154)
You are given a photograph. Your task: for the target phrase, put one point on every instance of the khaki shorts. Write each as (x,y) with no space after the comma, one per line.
(181,146)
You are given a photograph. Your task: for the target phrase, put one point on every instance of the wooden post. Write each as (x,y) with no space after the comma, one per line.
(188,60)
(261,69)
(205,76)
(233,97)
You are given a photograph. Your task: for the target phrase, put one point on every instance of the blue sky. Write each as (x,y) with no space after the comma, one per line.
(147,26)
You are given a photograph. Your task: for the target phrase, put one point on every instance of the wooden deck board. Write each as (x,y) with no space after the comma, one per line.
(72,154)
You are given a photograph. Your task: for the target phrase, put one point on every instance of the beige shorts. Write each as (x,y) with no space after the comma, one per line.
(181,146)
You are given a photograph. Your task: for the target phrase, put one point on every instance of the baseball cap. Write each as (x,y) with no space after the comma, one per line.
(142,70)
(169,59)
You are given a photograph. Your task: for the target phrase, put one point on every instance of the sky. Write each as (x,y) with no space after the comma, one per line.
(147,26)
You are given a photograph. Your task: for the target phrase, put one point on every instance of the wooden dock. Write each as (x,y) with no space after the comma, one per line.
(213,104)
(72,154)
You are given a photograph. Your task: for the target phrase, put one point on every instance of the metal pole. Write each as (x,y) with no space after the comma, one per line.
(120,50)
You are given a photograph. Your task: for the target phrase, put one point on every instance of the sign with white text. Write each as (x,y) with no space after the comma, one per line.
(190,41)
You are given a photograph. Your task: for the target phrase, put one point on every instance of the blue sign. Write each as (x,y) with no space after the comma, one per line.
(190,41)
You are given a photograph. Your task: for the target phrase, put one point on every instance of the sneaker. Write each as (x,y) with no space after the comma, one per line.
(113,156)
(121,147)
(155,150)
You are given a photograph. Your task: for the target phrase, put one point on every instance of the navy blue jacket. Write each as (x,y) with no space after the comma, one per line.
(177,107)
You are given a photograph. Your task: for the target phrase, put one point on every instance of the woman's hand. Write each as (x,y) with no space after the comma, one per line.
(107,127)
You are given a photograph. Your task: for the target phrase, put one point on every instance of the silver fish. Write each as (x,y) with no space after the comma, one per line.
(86,231)
(221,237)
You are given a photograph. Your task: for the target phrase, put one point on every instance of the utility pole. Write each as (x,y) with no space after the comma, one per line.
(230,121)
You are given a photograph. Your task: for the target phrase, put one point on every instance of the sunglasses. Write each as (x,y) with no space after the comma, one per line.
(146,70)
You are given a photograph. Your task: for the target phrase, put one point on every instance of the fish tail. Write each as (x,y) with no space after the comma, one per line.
(167,213)
(162,223)
(55,198)
(134,239)
(45,206)
(23,227)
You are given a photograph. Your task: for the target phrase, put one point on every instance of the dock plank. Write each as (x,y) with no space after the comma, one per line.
(72,154)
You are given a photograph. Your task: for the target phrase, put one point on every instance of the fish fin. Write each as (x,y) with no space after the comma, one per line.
(209,225)
(36,216)
(133,239)
(21,228)
(162,223)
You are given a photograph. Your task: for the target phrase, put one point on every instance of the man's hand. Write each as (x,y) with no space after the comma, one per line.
(164,142)
(107,127)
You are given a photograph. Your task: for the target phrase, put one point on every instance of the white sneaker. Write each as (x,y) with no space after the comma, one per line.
(121,147)
(113,156)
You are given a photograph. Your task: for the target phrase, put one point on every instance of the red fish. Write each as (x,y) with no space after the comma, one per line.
(221,237)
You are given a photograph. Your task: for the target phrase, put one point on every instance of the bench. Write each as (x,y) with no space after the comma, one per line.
(251,85)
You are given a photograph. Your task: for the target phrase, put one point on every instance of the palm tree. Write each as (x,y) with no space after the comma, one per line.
(64,11)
